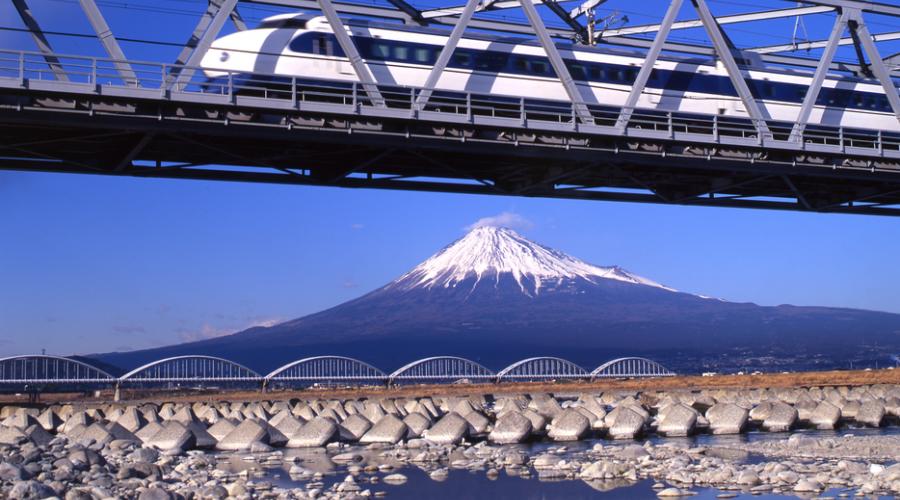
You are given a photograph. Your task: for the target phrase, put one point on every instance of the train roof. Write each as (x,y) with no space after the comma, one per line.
(756,63)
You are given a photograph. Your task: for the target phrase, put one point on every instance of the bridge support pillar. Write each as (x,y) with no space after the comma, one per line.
(117,396)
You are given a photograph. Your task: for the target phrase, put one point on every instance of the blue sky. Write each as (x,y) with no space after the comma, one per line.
(90,263)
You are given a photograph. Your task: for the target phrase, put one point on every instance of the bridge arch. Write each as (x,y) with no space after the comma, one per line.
(542,368)
(326,369)
(441,368)
(191,368)
(631,367)
(46,369)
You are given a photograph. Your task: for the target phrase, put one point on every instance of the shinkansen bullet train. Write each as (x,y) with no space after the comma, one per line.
(304,47)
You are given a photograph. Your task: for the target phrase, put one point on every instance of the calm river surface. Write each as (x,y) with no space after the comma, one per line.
(467,484)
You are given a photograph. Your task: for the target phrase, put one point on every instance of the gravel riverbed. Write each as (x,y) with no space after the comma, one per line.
(663,444)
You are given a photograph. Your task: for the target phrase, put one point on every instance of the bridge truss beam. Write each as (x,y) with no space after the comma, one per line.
(589,154)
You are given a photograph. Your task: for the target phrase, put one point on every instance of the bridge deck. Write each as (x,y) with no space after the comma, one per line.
(326,133)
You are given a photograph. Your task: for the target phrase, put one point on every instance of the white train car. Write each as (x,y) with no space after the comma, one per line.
(297,46)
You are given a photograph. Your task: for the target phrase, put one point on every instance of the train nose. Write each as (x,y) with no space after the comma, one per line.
(234,53)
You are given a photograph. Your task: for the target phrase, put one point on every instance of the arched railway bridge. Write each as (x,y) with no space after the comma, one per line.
(115,115)
(53,373)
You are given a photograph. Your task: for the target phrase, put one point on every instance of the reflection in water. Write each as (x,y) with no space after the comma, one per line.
(302,468)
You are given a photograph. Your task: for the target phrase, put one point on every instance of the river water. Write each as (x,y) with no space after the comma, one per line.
(467,484)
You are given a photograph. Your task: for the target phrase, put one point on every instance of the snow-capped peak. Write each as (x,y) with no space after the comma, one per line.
(489,252)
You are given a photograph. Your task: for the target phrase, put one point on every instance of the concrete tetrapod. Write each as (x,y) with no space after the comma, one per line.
(825,416)
(870,413)
(569,425)
(389,429)
(624,423)
(316,432)
(511,427)
(679,420)
(726,418)
(353,427)
(416,424)
(173,436)
(450,429)
(781,417)
(243,436)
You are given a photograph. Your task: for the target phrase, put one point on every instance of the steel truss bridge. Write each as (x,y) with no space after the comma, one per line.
(117,116)
(47,373)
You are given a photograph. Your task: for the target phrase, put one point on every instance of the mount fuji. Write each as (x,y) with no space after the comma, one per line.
(496,297)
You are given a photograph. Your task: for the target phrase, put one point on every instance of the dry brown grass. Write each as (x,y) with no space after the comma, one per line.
(764,381)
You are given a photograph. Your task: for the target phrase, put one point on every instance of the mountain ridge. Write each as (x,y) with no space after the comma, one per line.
(495,296)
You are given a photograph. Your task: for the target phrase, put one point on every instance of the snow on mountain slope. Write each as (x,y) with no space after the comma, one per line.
(490,252)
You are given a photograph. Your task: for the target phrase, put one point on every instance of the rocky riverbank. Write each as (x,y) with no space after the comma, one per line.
(175,450)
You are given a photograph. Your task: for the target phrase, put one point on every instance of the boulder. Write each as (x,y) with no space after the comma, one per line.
(511,427)
(570,425)
(450,429)
(726,418)
(389,429)
(30,490)
(316,432)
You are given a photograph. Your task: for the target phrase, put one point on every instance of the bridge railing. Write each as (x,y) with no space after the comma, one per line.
(168,81)
(54,371)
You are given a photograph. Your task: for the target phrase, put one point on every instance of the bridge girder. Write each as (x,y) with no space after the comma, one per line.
(621,174)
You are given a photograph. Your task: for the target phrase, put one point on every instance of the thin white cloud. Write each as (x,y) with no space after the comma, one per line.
(208,331)
(511,220)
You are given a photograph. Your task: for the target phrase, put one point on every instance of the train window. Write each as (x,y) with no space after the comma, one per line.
(284,23)
(578,71)
(381,50)
(424,55)
(598,73)
(318,45)
(539,67)
(520,65)
(302,43)
(462,59)
(401,53)
(490,61)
